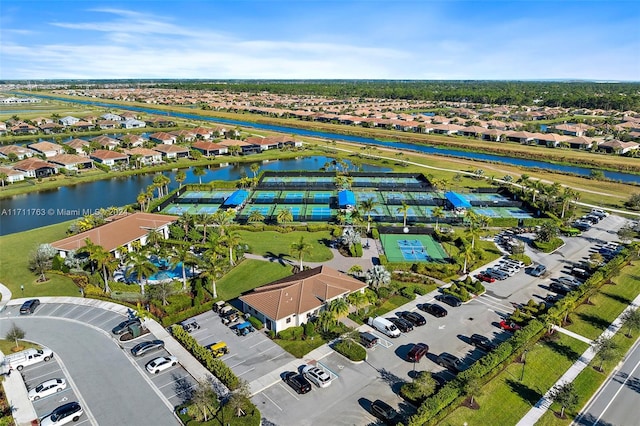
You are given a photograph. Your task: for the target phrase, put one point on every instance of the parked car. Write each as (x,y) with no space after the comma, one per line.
(190,325)
(553,297)
(449,361)
(496,273)
(368,340)
(29,306)
(384,326)
(485,278)
(317,376)
(417,352)
(580,273)
(582,225)
(297,382)
(147,346)
(218,349)
(71,411)
(433,309)
(513,262)
(402,324)
(124,326)
(569,281)
(509,326)
(539,270)
(382,410)
(22,359)
(507,269)
(482,342)
(560,288)
(599,212)
(47,388)
(160,364)
(449,300)
(414,317)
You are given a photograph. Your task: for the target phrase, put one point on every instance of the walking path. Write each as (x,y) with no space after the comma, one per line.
(569,376)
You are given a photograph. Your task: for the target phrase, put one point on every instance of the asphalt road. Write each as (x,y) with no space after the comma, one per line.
(614,402)
(110,386)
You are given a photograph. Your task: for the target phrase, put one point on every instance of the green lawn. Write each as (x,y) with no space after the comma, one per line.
(272,243)
(248,275)
(14,263)
(505,399)
(6,346)
(300,348)
(591,320)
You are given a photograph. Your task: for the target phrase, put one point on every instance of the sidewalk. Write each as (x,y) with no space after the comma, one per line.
(569,376)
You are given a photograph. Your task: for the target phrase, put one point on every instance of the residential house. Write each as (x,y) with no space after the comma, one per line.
(243,147)
(109,158)
(46,148)
(3,128)
(573,129)
(494,135)
(209,149)
(163,138)
(106,142)
(520,137)
(108,124)
(615,146)
(49,128)
(81,126)
(264,143)
(132,123)
(295,300)
(21,128)
(132,140)
(581,142)
(147,156)
(79,145)
(160,122)
(473,131)
(69,120)
(551,140)
(183,135)
(71,161)
(36,168)
(119,231)
(111,117)
(172,151)
(447,129)
(202,133)
(20,151)
(12,174)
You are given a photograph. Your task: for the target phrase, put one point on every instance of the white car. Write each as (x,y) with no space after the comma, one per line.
(318,376)
(162,363)
(67,413)
(47,388)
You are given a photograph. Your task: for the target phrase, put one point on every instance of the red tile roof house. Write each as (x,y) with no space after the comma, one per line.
(209,149)
(617,147)
(12,174)
(78,145)
(108,124)
(473,131)
(447,129)
(551,140)
(186,135)
(172,151)
(294,300)
(71,161)
(494,135)
(581,142)
(147,156)
(106,142)
(48,149)
(82,125)
(109,158)
(163,137)
(132,141)
(120,231)
(23,128)
(20,151)
(245,147)
(573,129)
(264,143)
(36,168)
(49,128)
(520,137)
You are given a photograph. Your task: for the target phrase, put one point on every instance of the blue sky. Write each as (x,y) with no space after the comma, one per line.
(309,39)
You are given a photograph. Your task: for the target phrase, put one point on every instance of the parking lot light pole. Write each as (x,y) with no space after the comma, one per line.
(22,288)
(524,362)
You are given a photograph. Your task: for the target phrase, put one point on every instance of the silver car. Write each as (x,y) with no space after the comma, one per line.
(317,376)
(47,388)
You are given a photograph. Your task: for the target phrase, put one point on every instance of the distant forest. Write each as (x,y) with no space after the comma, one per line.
(618,96)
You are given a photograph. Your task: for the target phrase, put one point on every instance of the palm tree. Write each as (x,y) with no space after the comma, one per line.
(142,200)
(468,255)
(299,249)
(205,220)
(255,168)
(368,206)
(339,307)
(404,209)
(143,267)
(102,259)
(358,299)
(181,255)
(211,270)
(285,215)
(378,276)
(474,226)
(231,240)
(181,176)
(158,183)
(255,216)
(154,237)
(438,213)
(222,218)
(199,171)
(524,180)
(3,178)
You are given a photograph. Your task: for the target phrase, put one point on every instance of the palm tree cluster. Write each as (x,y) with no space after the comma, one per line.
(554,198)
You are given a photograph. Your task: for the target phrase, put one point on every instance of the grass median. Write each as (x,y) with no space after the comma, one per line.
(248,275)
(278,245)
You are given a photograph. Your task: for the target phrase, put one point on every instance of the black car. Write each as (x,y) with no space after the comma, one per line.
(29,306)
(449,300)
(297,381)
(147,346)
(124,325)
(433,309)
(560,288)
(382,410)
(414,317)
(482,342)
(368,340)
(450,362)
(402,324)
(417,352)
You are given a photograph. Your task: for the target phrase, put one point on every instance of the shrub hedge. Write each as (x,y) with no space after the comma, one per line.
(351,350)
(188,313)
(256,323)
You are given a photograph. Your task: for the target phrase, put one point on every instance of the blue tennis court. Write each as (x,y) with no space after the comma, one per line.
(193,195)
(207,209)
(264,197)
(320,213)
(175,210)
(412,250)
(294,196)
(395,196)
(322,197)
(264,210)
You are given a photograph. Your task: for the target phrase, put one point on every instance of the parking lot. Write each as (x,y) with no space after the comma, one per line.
(250,357)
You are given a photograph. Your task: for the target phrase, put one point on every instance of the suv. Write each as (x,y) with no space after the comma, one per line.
(403,325)
(450,362)
(482,342)
(63,415)
(417,352)
(449,300)
(368,340)
(297,382)
(539,270)
(560,288)
(382,410)
(414,317)
(433,309)
(29,306)
(497,274)
(318,376)
(124,326)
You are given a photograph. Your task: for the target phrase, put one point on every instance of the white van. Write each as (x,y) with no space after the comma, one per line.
(384,326)
(21,359)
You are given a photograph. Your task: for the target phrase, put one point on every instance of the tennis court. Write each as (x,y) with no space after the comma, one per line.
(507,212)
(207,209)
(295,197)
(319,212)
(412,248)
(295,210)
(263,197)
(320,197)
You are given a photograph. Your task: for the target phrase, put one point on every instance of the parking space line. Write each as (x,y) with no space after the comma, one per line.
(270,348)
(277,356)
(82,401)
(228,357)
(53,394)
(50,314)
(267,396)
(36,378)
(259,343)
(87,311)
(287,390)
(70,311)
(245,372)
(235,365)
(327,369)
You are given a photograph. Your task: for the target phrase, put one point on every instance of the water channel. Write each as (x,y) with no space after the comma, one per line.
(37,209)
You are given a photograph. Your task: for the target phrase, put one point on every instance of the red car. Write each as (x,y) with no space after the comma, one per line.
(509,326)
(486,278)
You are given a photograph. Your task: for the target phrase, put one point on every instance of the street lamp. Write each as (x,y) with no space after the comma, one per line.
(524,362)
(22,288)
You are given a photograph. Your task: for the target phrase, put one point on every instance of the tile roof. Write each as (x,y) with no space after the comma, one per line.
(302,292)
